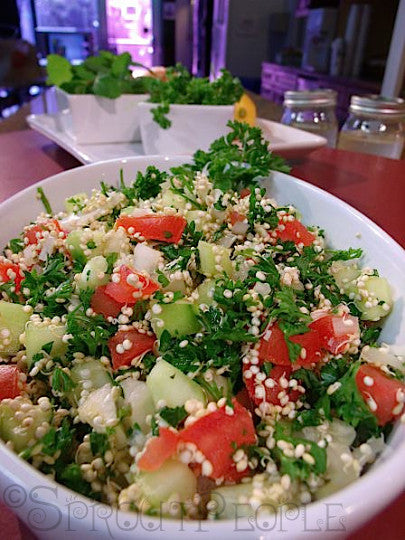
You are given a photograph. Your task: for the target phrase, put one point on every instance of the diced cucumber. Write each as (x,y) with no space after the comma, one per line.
(378,288)
(173,480)
(345,273)
(169,384)
(231,501)
(177,318)
(12,429)
(338,472)
(72,203)
(138,396)
(128,210)
(99,408)
(214,259)
(39,334)
(195,215)
(13,318)
(94,273)
(205,293)
(76,243)
(172,199)
(116,241)
(90,370)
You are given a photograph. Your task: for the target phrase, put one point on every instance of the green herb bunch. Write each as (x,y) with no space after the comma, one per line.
(180,87)
(107,75)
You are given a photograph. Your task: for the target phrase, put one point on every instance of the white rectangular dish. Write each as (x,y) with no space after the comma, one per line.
(284,140)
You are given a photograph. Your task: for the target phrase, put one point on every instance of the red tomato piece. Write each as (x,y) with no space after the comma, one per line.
(382,394)
(244,192)
(126,293)
(9,381)
(218,434)
(336,332)
(273,347)
(167,229)
(273,389)
(103,304)
(294,231)
(11,272)
(140,344)
(158,450)
(35,232)
(312,345)
(234,217)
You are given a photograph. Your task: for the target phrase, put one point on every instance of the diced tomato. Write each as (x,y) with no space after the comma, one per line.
(271,391)
(382,394)
(140,344)
(294,231)
(103,304)
(273,347)
(9,381)
(336,332)
(245,400)
(234,217)
(11,272)
(218,434)
(244,192)
(35,232)
(158,450)
(312,345)
(167,229)
(126,293)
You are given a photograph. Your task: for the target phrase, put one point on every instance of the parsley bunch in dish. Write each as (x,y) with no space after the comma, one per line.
(180,87)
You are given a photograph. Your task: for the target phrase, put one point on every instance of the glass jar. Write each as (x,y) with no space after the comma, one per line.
(312,111)
(374,126)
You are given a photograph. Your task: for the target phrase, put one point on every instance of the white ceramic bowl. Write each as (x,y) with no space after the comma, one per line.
(90,119)
(193,127)
(53,511)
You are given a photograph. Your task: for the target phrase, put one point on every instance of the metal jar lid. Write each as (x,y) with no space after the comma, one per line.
(310,98)
(374,105)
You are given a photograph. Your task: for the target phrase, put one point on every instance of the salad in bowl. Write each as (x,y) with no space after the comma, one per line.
(182,344)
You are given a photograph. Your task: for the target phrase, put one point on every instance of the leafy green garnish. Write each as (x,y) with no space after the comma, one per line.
(99,443)
(16,245)
(44,200)
(106,75)
(236,160)
(181,87)
(61,381)
(173,415)
(146,185)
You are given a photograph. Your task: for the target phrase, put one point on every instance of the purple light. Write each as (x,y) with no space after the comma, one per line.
(129,27)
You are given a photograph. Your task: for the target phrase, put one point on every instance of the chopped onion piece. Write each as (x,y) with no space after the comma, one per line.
(146,258)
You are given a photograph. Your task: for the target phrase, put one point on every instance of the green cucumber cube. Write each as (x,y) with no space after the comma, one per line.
(94,273)
(12,429)
(214,259)
(99,409)
(13,318)
(172,199)
(379,289)
(177,318)
(169,384)
(90,370)
(75,243)
(205,293)
(173,480)
(138,396)
(39,334)
(345,274)
(72,203)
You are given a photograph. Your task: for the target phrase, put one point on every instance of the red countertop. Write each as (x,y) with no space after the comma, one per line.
(374,185)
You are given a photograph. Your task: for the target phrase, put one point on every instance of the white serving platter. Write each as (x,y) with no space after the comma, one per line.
(53,511)
(289,142)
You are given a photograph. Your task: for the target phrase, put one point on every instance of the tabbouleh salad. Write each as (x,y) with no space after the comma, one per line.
(184,339)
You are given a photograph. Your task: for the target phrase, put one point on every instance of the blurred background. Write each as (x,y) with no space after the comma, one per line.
(272,45)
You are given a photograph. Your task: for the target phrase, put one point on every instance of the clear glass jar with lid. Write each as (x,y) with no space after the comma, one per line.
(312,110)
(375,125)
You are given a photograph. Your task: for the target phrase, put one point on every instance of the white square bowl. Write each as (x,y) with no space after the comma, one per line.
(193,127)
(90,119)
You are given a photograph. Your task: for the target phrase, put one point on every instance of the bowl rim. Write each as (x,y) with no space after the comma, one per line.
(386,478)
